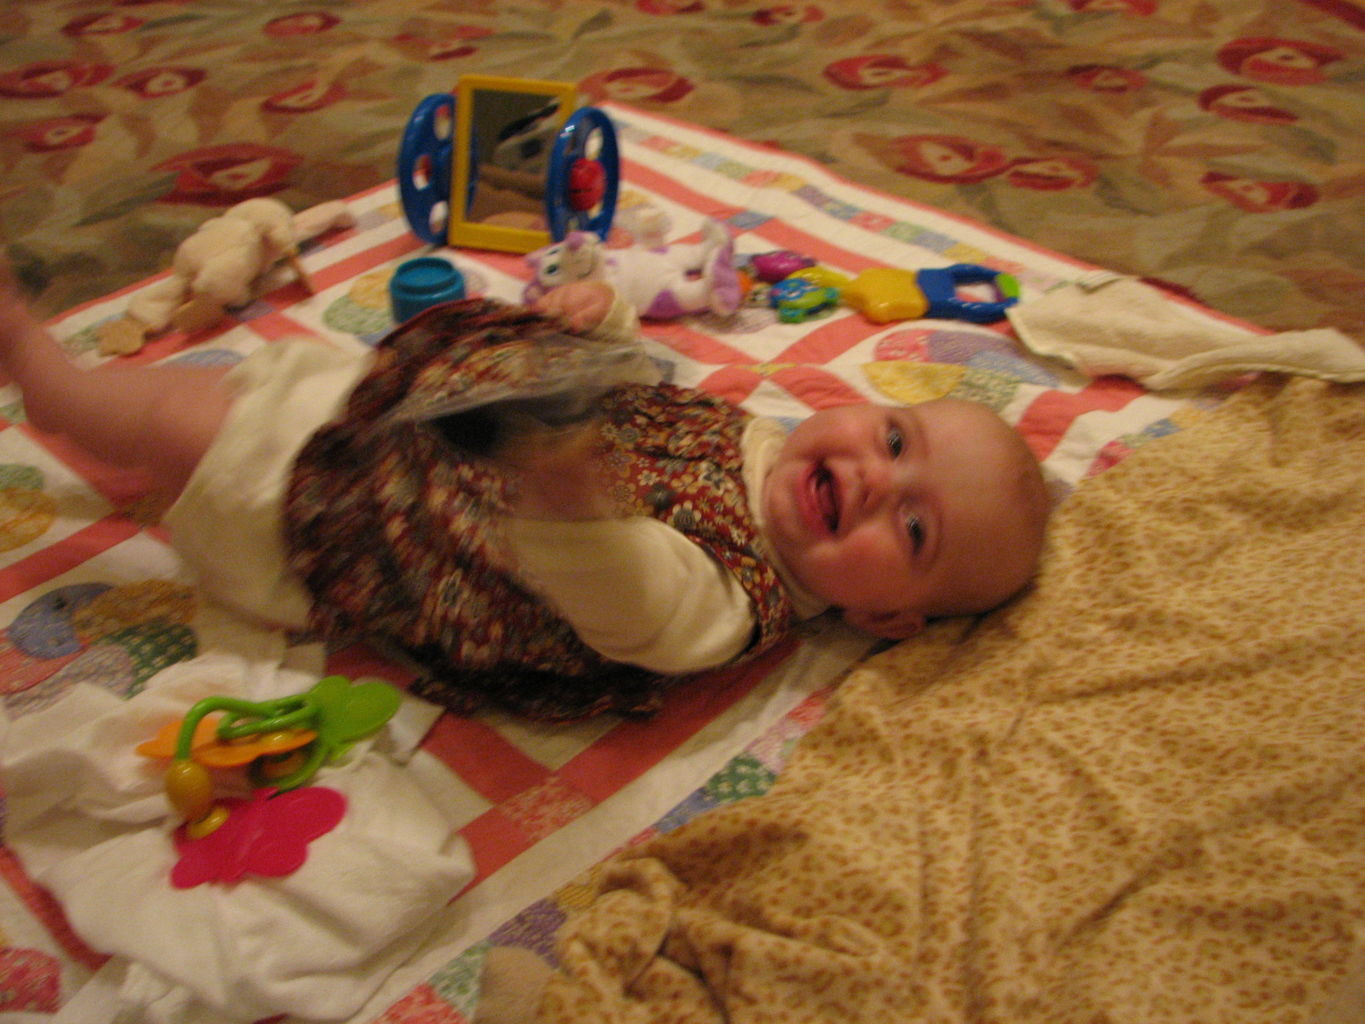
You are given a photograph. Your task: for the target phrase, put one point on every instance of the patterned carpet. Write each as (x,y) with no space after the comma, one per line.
(1215,145)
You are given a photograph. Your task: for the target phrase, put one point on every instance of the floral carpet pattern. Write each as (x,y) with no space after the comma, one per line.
(1214,145)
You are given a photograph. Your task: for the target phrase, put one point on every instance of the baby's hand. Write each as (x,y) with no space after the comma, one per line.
(559,471)
(583,305)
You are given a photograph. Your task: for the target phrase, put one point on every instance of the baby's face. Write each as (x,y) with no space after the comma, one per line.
(898,514)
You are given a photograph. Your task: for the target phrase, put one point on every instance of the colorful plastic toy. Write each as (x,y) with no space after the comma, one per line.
(267,835)
(772,267)
(797,299)
(580,191)
(940,285)
(587,185)
(284,742)
(425,159)
(883,294)
(421,283)
(507,164)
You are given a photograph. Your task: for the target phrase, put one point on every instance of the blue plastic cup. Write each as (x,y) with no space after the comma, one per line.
(422,283)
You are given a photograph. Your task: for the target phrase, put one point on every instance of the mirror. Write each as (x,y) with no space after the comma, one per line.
(505,129)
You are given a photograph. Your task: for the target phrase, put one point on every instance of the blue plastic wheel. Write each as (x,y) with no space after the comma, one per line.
(425,163)
(586,126)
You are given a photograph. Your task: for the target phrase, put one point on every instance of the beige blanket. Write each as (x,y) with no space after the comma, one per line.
(1136,795)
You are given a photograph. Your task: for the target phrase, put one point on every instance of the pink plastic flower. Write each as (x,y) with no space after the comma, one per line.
(267,835)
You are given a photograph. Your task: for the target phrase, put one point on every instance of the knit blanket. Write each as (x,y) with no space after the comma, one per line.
(1132,796)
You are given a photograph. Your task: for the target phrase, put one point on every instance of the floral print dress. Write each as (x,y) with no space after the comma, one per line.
(394,529)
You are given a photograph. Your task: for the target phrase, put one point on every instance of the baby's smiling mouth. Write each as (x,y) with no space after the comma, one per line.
(826,492)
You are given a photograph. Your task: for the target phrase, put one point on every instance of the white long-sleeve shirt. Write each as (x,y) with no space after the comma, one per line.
(637,591)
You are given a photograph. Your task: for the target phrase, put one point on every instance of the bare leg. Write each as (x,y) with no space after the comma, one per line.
(159,419)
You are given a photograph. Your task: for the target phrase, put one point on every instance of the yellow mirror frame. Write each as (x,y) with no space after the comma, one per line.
(461,230)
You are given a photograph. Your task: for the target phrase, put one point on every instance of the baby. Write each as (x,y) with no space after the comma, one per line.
(570,573)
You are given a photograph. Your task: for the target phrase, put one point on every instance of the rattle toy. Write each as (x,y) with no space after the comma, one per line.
(772,267)
(282,742)
(806,294)
(883,294)
(265,835)
(798,289)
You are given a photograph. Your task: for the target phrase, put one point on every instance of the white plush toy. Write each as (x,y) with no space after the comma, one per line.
(661,281)
(220,267)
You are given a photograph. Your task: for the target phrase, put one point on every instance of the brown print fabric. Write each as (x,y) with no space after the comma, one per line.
(395,531)
(1132,797)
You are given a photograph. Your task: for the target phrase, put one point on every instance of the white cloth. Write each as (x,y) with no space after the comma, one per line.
(89,820)
(228,523)
(1105,323)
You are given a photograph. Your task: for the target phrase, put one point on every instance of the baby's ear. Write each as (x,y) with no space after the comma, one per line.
(899,625)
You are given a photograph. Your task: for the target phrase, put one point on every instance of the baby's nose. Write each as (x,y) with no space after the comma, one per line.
(887,481)
(878,480)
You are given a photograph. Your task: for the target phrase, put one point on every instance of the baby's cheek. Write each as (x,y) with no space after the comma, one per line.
(872,562)
(876,548)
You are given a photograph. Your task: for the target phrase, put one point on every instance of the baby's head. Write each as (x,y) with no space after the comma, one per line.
(897,515)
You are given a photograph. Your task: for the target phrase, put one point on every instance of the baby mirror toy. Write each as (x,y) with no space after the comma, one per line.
(507,164)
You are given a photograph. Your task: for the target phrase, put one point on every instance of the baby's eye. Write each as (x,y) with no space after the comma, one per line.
(895,442)
(916,531)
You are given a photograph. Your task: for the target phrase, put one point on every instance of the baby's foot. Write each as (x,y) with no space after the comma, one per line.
(16,321)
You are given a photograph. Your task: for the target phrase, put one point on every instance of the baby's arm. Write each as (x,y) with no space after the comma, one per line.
(636,591)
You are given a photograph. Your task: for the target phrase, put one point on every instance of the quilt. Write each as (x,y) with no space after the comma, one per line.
(95,603)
